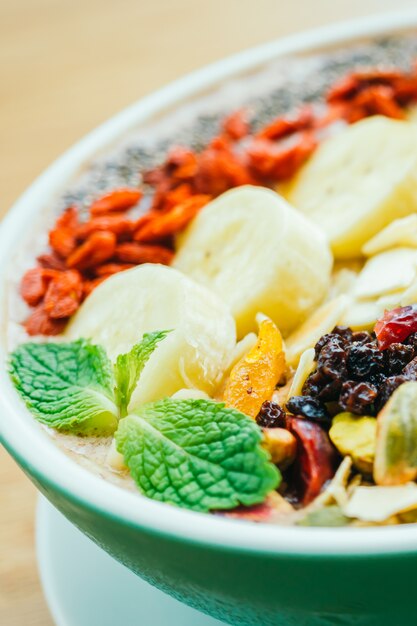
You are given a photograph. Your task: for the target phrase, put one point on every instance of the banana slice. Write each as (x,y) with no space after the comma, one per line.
(321,322)
(402,232)
(260,255)
(152,297)
(388,272)
(358,181)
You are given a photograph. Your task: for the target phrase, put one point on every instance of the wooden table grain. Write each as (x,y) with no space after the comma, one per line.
(65,67)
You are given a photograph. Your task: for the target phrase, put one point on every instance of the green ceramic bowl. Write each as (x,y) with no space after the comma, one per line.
(236,571)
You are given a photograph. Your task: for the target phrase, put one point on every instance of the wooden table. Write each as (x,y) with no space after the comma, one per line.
(65,67)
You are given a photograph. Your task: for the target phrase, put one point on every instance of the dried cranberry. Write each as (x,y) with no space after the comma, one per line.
(397,355)
(357,397)
(396,325)
(364,359)
(271,415)
(315,459)
(387,389)
(309,407)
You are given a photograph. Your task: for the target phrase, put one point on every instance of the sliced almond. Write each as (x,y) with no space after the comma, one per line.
(401,232)
(385,273)
(323,320)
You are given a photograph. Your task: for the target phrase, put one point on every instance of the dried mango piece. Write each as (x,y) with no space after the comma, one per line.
(253,378)
(355,436)
(396,451)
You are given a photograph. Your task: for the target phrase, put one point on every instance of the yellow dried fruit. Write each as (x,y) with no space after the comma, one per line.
(355,436)
(254,377)
(396,449)
(281,445)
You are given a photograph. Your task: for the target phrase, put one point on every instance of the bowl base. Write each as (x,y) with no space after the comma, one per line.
(84,586)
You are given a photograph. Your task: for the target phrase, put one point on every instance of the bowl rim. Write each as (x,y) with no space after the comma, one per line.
(37,453)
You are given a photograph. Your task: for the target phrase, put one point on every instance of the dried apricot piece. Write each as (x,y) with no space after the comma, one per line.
(99,247)
(64,295)
(117,200)
(253,378)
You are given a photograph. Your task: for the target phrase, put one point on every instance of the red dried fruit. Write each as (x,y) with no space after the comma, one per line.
(99,247)
(62,236)
(287,125)
(35,283)
(396,325)
(39,323)
(64,295)
(271,161)
(137,253)
(236,126)
(115,201)
(315,460)
(166,200)
(108,269)
(219,169)
(166,224)
(118,224)
(51,262)
(90,285)
(378,100)
(343,89)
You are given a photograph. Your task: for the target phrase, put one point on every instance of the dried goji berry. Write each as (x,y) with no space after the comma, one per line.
(62,236)
(272,162)
(90,285)
(343,89)
(236,125)
(39,323)
(287,125)
(138,253)
(108,269)
(115,201)
(219,169)
(35,283)
(96,249)
(165,224)
(64,294)
(118,224)
(379,100)
(171,198)
(51,261)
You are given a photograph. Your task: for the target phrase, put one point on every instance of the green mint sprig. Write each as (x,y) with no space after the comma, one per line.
(196,454)
(73,386)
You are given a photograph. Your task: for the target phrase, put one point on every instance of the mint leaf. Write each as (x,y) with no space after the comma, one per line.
(129,367)
(67,386)
(196,454)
